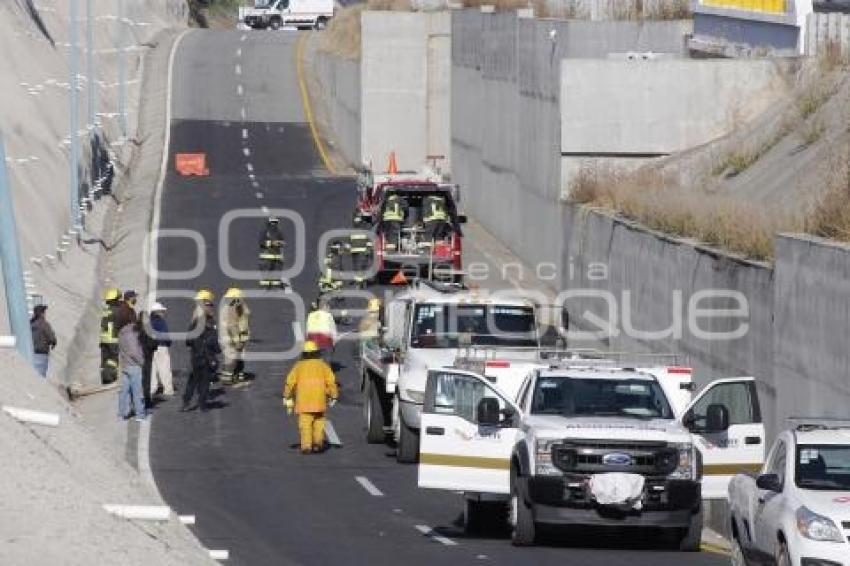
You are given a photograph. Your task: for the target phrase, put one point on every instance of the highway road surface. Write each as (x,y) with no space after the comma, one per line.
(236,98)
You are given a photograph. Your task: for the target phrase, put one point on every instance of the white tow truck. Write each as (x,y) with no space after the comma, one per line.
(275,14)
(588,441)
(797,511)
(426,326)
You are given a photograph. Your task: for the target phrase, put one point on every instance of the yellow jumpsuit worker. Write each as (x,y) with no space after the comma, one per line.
(311,382)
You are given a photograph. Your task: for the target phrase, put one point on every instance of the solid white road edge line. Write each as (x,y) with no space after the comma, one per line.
(429,532)
(369,486)
(139,512)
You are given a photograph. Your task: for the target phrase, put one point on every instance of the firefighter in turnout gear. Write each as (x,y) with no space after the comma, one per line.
(271,252)
(311,388)
(392,219)
(234,334)
(359,248)
(331,262)
(109,336)
(435,216)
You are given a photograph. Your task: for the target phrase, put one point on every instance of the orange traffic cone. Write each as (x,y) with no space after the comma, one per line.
(399,279)
(392,168)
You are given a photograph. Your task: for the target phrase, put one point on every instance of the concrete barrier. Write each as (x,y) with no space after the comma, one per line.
(340,84)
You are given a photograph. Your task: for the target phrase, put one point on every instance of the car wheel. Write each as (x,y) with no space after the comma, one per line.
(692,536)
(473,516)
(374,414)
(275,24)
(321,23)
(523,529)
(737,555)
(783,557)
(407,451)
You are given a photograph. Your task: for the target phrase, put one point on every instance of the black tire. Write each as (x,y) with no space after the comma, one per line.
(373,411)
(275,24)
(523,529)
(321,23)
(737,554)
(692,536)
(407,451)
(474,516)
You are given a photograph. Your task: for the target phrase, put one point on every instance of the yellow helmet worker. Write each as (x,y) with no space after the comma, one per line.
(204,295)
(234,335)
(309,386)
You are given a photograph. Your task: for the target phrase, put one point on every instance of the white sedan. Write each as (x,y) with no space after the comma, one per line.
(797,512)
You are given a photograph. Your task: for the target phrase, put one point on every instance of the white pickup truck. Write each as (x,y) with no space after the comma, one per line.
(588,442)
(279,13)
(797,511)
(426,326)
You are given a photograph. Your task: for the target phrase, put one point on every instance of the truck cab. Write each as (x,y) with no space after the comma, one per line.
(428,326)
(585,442)
(797,510)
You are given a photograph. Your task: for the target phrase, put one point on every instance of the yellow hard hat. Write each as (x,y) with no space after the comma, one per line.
(310,347)
(233,293)
(204,295)
(111,294)
(374,305)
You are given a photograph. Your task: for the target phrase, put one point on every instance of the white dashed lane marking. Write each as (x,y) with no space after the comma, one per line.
(243,113)
(238,69)
(244,133)
(239,90)
(258,194)
(239,52)
(369,486)
(249,167)
(429,532)
(246,151)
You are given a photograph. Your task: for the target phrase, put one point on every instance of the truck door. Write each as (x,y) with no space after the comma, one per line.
(461,449)
(738,448)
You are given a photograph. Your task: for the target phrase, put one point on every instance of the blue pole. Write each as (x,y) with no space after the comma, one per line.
(74,158)
(10,260)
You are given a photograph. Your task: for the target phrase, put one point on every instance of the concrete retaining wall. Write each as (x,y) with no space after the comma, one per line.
(340,84)
(405,90)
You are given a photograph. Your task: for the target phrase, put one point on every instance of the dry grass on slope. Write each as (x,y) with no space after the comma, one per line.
(830,217)
(649,199)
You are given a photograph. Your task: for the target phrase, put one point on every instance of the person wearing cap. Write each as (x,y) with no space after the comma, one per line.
(158,357)
(204,348)
(321,329)
(131,359)
(43,339)
(126,312)
(234,334)
(109,336)
(310,388)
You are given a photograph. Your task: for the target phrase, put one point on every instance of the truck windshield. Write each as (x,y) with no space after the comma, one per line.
(572,397)
(824,467)
(456,326)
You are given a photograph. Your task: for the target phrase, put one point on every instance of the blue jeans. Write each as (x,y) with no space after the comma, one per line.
(131,386)
(39,362)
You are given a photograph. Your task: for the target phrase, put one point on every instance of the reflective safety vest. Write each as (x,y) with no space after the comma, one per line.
(107,325)
(393,212)
(359,243)
(435,210)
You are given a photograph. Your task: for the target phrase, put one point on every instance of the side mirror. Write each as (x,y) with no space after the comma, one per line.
(461,219)
(769,482)
(488,412)
(717,418)
(689,420)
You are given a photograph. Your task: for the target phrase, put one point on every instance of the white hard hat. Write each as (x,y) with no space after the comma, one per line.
(158,307)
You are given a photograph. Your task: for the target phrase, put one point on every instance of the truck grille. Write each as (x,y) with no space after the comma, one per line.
(646,458)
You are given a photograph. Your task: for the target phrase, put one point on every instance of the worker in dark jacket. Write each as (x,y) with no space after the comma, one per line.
(204,353)
(43,339)
(126,312)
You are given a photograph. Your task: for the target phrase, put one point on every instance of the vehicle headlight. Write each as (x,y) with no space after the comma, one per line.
(817,527)
(686,468)
(543,458)
(415,396)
